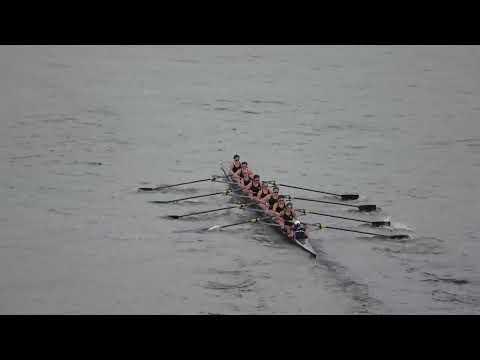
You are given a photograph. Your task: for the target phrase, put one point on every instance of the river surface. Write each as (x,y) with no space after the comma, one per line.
(82,127)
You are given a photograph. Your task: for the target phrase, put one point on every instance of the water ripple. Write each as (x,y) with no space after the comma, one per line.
(215,285)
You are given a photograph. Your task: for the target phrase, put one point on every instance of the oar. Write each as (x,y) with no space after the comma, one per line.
(342,196)
(213,178)
(223,178)
(373,223)
(396,236)
(254,220)
(360,207)
(187,198)
(204,212)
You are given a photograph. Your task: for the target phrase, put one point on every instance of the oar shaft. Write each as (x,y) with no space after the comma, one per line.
(209,211)
(184,183)
(173,185)
(254,220)
(302,188)
(324,201)
(355,231)
(225,179)
(336,216)
(238,223)
(187,198)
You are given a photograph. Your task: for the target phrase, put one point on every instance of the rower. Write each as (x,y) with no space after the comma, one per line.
(254,187)
(288,215)
(244,169)
(245,180)
(279,206)
(272,199)
(235,166)
(264,192)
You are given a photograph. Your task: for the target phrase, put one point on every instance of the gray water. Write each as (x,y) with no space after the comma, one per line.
(81,127)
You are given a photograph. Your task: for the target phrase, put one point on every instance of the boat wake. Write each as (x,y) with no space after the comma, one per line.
(342,279)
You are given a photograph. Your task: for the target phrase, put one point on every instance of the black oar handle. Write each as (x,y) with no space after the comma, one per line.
(302,188)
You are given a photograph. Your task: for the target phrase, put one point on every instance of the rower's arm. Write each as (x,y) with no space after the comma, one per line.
(275,207)
(237,173)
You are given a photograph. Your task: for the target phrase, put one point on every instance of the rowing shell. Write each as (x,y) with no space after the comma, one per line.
(303,243)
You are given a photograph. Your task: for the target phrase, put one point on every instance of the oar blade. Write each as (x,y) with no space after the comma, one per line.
(367,208)
(380,223)
(349,196)
(398,236)
(146,189)
(173,216)
(161,202)
(214,227)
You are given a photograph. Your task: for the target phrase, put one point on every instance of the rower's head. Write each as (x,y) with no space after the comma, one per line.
(297,225)
(236,159)
(275,190)
(256,178)
(281,199)
(244,165)
(289,205)
(264,185)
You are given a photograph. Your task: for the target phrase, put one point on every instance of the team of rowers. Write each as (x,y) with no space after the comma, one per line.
(268,198)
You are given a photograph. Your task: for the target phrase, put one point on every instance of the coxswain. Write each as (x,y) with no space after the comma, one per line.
(254,187)
(299,231)
(235,166)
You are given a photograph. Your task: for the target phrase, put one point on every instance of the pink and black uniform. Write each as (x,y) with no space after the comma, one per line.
(244,170)
(236,166)
(273,199)
(264,192)
(246,179)
(254,187)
